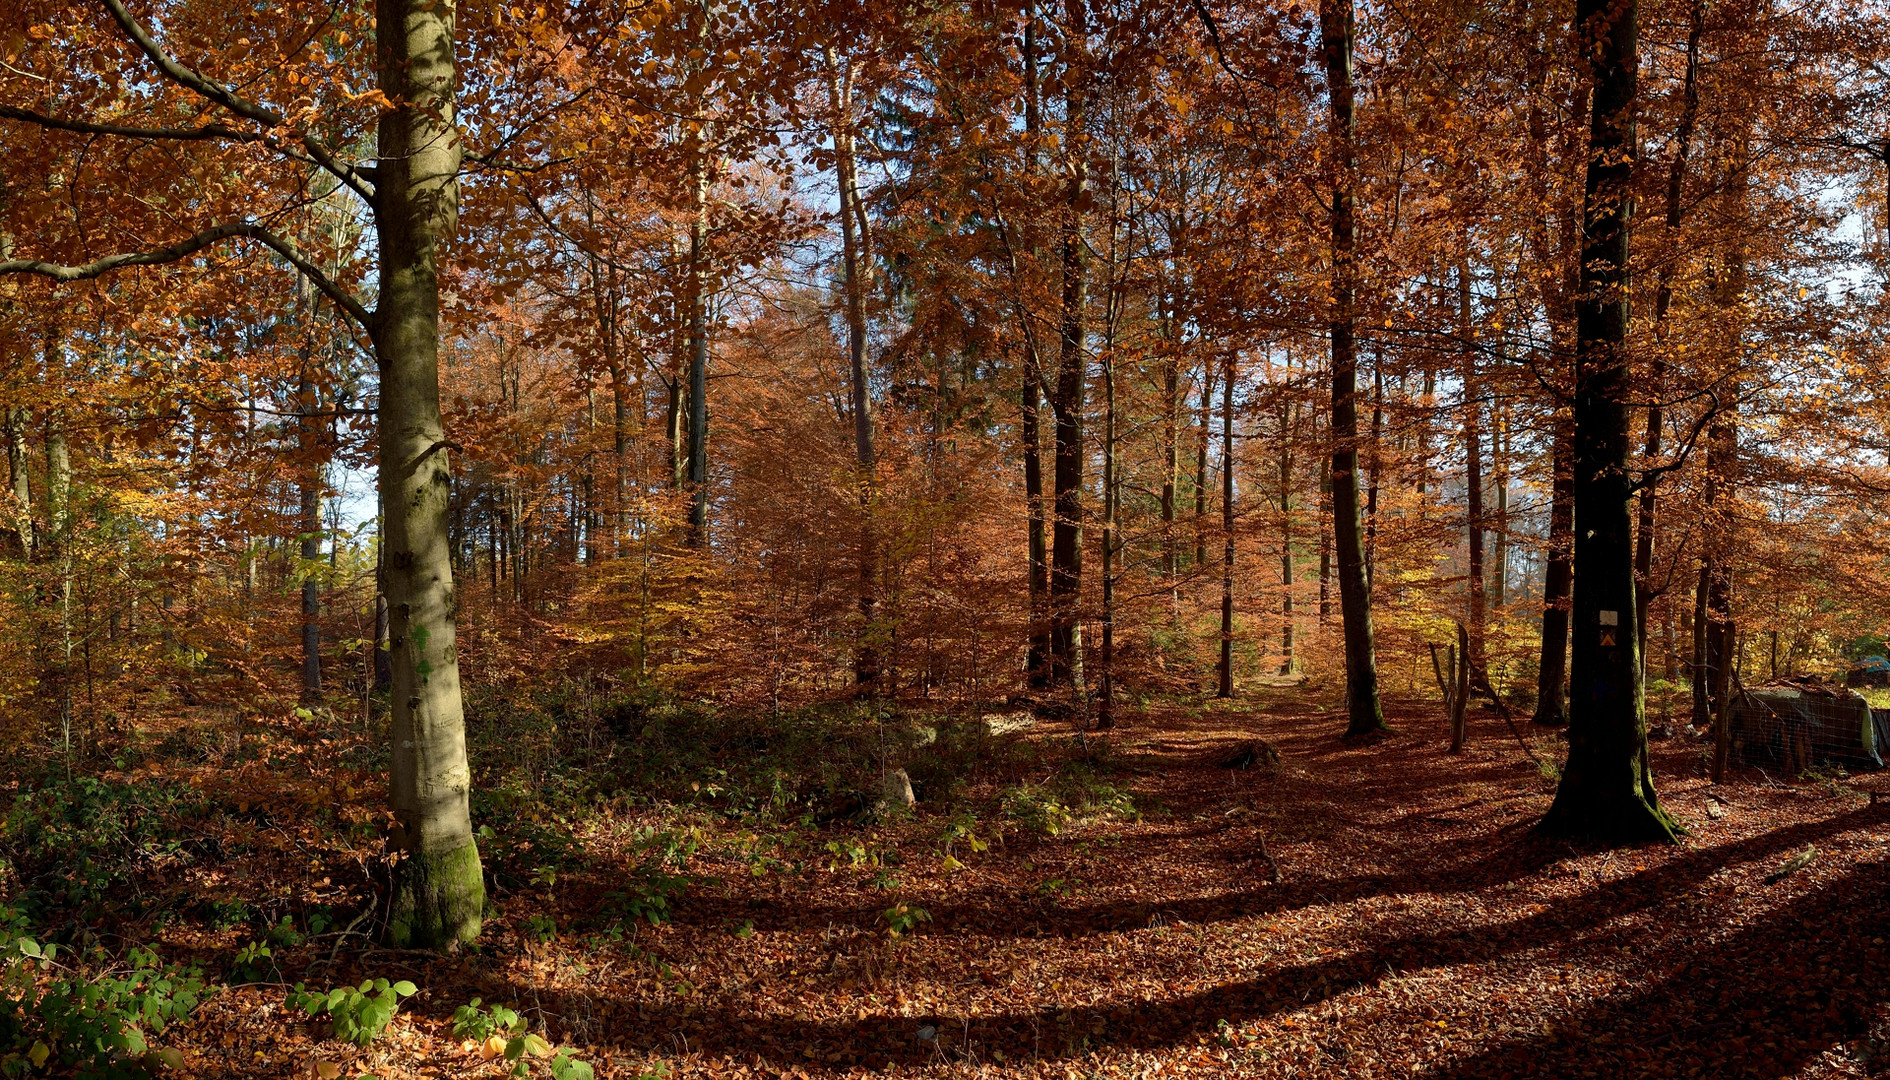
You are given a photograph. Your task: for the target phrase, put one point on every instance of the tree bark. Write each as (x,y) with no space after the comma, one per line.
(1066,544)
(1663,302)
(1225,687)
(1287,658)
(1605,792)
(1364,714)
(439,893)
(1473,467)
(857,260)
(698,434)
(311,535)
(1037,655)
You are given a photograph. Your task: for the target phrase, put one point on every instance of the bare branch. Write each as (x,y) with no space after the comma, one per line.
(207,131)
(185,248)
(197,83)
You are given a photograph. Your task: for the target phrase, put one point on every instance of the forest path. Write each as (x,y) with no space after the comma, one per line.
(1418,928)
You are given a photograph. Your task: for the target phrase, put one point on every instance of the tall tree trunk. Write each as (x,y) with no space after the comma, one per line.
(1722,437)
(1225,687)
(1663,301)
(439,893)
(1499,448)
(1606,790)
(1325,538)
(59,536)
(698,434)
(1473,468)
(1171,430)
(1287,658)
(311,534)
(1037,656)
(1374,465)
(1204,428)
(1066,544)
(1364,714)
(857,259)
(1106,707)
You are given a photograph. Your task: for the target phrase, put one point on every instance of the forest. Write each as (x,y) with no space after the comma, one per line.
(1073,539)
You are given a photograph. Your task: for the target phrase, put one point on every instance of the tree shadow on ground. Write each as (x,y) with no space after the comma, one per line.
(1710,1008)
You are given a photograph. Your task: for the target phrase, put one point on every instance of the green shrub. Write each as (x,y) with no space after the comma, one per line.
(81,842)
(94,1024)
(358,1013)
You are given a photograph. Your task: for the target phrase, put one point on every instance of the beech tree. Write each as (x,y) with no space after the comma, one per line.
(411,187)
(1606,788)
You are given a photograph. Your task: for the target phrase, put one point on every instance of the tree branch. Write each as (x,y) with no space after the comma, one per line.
(207,131)
(197,83)
(190,246)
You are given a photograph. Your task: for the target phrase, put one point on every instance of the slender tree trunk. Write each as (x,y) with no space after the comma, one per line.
(1355,602)
(1500,448)
(1287,658)
(1204,428)
(698,435)
(1605,791)
(1066,545)
(1374,464)
(1325,538)
(439,893)
(1225,688)
(1106,707)
(1037,656)
(311,540)
(1663,301)
(1473,466)
(1722,438)
(1171,432)
(858,261)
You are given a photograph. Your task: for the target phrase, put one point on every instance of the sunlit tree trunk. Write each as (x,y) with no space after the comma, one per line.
(857,259)
(439,891)
(1364,714)
(1606,791)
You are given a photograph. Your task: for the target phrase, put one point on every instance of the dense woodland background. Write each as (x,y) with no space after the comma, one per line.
(903,364)
(188,446)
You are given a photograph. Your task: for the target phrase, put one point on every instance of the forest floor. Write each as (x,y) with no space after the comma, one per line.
(1416,927)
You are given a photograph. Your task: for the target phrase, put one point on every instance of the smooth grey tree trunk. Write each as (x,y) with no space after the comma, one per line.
(439,889)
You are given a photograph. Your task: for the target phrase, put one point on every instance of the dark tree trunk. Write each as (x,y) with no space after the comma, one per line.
(1066,536)
(1663,301)
(1363,712)
(1203,434)
(1037,656)
(1225,684)
(1605,792)
(1473,470)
